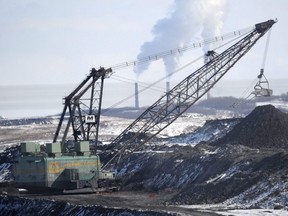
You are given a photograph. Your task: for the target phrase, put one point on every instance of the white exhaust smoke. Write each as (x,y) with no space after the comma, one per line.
(188,18)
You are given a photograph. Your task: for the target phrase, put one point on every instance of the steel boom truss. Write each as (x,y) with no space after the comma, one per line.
(170,106)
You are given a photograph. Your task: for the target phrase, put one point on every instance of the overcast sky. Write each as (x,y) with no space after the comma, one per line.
(58,41)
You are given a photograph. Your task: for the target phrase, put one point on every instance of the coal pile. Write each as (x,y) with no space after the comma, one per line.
(264,127)
(246,166)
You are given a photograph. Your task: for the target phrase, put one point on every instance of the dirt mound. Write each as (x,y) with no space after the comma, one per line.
(265,127)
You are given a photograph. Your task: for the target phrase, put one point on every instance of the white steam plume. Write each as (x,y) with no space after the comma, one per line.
(187,18)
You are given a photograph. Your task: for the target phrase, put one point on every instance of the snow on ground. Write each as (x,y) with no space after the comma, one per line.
(229,173)
(109,127)
(4,171)
(185,124)
(254,212)
(113,125)
(7,145)
(276,103)
(253,196)
(225,210)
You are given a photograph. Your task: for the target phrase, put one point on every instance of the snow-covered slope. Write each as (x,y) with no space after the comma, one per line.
(214,172)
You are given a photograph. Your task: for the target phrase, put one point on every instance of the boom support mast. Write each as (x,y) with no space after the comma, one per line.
(170,106)
(84,113)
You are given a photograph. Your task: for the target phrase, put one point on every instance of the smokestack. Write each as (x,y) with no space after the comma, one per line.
(136,96)
(167,86)
(206,60)
(167,89)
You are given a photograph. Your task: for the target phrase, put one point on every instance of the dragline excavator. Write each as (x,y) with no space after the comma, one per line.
(69,164)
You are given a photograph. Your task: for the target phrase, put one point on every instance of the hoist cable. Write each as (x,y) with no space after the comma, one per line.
(180,50)
(243,99)
(147,87)
(141,84)
(266,49)
(163,78)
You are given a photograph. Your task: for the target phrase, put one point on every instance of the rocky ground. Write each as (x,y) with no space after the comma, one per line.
(13,205)
(236,163)
(241,167)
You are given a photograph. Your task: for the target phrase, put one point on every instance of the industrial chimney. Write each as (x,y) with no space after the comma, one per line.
(167,86)
(167,89)
(206,60)
(209,56)
(136,96)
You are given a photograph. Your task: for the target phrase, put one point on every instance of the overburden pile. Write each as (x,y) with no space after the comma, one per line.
(264,127)
(247,166)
